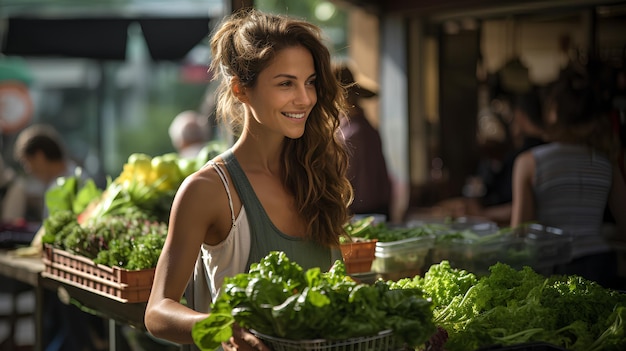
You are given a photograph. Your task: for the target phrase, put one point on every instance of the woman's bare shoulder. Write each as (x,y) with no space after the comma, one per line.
(524,158)
(202,202)
(205,180)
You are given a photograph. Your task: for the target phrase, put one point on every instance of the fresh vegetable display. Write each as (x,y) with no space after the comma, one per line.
(366,229)
(132,242)
(124,225)
(509,307)
(278,298)
(150,183)
(72,194)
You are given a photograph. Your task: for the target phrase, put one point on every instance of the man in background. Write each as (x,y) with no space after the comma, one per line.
(189,133)
(41,151)
(367,168)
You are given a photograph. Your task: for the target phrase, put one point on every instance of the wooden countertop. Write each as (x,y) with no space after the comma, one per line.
(24,269)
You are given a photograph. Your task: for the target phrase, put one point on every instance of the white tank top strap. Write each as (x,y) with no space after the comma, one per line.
(222,175)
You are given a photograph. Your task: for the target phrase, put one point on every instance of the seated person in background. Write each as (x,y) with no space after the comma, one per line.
(568,182)
(189,133)
(367,169)
(13,197)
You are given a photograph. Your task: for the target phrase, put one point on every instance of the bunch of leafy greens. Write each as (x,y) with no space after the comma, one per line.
(509,306)
(366,228)
(278,298)
(132,242)
(130,237)
(441,283)
(72,193)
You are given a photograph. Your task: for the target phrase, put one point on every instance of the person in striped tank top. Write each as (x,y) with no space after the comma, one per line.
(569,182)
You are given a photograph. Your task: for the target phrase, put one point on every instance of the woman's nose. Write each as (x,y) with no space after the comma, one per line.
(305,95)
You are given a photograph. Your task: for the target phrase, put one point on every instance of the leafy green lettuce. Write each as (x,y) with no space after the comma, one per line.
(278,298)
(510,306)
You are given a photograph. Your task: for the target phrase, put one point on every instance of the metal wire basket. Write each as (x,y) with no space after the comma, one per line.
(383,341)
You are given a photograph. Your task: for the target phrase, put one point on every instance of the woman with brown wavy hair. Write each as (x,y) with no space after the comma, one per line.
(281,187)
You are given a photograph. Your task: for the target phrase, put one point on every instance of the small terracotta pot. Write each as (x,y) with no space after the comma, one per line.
(359,255)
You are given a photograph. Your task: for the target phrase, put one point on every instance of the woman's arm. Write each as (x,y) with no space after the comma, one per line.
(523,207)
(196,206)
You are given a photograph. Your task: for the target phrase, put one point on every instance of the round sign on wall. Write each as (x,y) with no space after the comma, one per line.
(16,106)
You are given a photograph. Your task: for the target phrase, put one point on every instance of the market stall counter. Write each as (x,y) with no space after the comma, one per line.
(118,313)
(25,270)
(31,270)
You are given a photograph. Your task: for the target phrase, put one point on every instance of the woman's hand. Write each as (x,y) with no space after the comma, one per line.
(244,340)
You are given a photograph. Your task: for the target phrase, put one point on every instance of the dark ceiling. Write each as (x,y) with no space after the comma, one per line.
(444,9)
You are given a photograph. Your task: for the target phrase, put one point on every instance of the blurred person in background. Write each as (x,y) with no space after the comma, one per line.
(568,182)
(189,133)
(367,168)
(13,196)
(488,194)
(526,131)
(41,151)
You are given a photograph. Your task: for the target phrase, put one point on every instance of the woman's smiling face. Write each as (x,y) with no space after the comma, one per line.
(284,94)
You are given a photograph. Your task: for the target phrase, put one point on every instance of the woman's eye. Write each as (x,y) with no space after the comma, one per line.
(286,84)
(311,82)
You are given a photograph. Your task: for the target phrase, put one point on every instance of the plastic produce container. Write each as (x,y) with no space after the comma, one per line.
(546,246)
(477,225)
(473,256)
(402,258)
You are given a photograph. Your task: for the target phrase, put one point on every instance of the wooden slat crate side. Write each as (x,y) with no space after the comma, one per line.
(118,283)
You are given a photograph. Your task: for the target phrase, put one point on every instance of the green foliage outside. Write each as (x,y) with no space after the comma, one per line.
(330,17)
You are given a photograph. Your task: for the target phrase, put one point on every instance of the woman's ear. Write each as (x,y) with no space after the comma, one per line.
(238,90)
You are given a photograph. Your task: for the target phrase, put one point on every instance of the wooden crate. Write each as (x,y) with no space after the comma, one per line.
(117,283)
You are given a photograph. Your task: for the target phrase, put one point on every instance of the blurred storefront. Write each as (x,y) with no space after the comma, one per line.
(103,72)
(438,63)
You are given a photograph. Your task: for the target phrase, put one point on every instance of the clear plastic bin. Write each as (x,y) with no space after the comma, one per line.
(402,258)
(534,245)
(547,246)
(478,225)
(473,256)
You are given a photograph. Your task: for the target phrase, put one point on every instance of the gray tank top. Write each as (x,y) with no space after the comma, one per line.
(572,184)
(265,237)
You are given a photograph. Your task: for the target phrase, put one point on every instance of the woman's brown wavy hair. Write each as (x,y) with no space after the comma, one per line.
(314,166)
